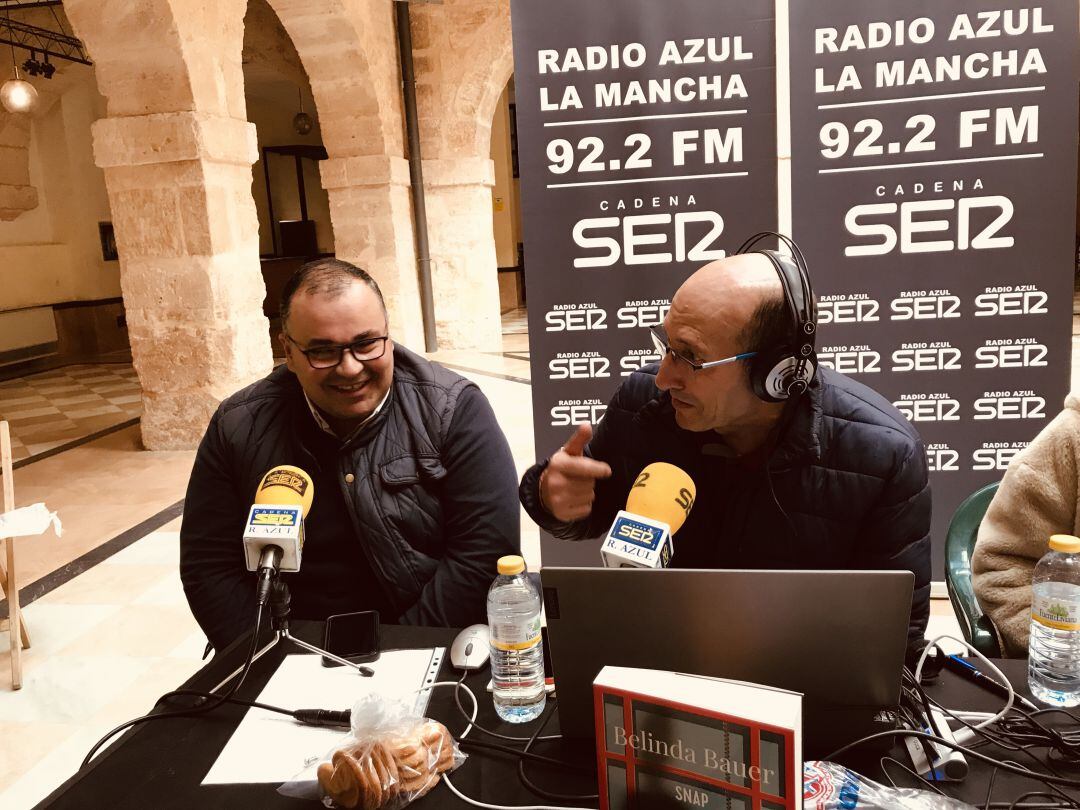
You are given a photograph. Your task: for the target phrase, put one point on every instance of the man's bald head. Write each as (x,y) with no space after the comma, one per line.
(738,297)
(726,308)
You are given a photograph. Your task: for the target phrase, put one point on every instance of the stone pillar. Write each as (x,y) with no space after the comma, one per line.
(373,229)
(179,186)
(16,193)
(463,59)
(464,268)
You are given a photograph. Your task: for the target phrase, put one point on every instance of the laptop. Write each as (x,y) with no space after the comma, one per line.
(838,637)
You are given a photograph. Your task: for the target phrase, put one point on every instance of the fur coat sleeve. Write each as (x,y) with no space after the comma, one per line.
(1037,498)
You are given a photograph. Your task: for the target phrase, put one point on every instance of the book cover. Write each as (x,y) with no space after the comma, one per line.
(671,740)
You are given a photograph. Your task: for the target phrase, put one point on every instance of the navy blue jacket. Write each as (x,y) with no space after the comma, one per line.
(849,471)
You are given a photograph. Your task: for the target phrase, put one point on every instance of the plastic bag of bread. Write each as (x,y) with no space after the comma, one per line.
(391,757)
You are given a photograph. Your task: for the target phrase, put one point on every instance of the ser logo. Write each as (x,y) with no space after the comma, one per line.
(924,306)
(694,235)
(853,308)
(937,356)
(1023,299)
(942,458)
(637,533)
(643,313)
(1014,353)
(995,455)
(928,407)
(851,359)
(575,318)
(1010,405)
(574,411)
(578,366)
(635,359)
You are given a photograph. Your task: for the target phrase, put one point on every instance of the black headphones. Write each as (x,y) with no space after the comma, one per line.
(784,371)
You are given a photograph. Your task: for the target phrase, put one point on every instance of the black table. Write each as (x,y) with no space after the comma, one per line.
(161,764)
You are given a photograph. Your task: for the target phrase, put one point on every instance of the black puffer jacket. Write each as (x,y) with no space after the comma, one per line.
(430,497)
(850,472)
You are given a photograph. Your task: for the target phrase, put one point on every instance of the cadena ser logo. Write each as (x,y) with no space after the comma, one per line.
(1011,353)
(638,534)
(937,407)
(995,455)
(942,458)
(937,356)
(575,318)
(635,314)
(578,366)
(851,359)
(271,516)
(1022,299)
(1010,405)
(922,305)
(848,308)
(573,411)
(635,359)
(285,478)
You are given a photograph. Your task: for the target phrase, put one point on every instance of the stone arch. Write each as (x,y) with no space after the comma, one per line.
(177,151)
(349,52)
(464,58)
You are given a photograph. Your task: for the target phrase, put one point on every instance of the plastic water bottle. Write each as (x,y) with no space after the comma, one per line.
(1054,641)
(517,653)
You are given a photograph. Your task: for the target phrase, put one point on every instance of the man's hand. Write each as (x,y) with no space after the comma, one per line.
(568,484)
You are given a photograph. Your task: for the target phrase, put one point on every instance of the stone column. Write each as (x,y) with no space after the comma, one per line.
(464,268)
(16,193)
(179,186)
(373,229)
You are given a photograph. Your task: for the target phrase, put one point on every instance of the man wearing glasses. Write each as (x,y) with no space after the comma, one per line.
(837,479)
(414,481)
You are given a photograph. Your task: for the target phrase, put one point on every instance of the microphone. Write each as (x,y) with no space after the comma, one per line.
(274,533)
(656,508)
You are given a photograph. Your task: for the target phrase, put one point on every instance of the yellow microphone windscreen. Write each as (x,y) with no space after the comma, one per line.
(286,486)
(662,492)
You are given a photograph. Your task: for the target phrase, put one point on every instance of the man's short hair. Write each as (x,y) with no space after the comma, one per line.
(329,277)
(770,326)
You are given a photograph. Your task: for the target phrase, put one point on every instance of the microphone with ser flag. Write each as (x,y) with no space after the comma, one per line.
(274,532)
(658,504)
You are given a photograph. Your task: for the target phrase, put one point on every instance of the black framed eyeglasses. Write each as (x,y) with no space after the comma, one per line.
(663,347)
(324,357)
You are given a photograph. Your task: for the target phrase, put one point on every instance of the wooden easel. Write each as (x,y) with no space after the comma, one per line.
(13,623)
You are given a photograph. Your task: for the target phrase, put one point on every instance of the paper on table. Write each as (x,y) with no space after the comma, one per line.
(270,747)
(29,520)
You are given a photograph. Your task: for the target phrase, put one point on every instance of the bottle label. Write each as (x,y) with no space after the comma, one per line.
(516,637)
(1058,614)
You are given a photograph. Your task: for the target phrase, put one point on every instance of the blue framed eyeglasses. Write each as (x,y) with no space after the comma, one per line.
(663,347)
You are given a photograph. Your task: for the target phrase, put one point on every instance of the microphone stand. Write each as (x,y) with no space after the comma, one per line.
(279,622)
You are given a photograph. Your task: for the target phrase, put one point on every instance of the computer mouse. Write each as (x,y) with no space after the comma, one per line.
(470,649)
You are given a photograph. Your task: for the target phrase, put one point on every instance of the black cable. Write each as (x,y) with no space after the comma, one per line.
(473,724)
(530,785)
(1031,795)
(220,699)
(990,788)
(1048,779)
(908,770)
(210,695)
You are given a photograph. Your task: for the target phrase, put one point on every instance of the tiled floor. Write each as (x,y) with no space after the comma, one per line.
(52,408)
(108,642)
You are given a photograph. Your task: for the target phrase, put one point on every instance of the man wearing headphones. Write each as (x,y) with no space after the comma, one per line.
(796,467)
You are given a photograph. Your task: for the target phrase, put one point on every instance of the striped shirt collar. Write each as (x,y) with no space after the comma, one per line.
(320,420)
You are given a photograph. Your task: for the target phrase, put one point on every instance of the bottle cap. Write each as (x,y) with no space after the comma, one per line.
(513,564)
(1058,542)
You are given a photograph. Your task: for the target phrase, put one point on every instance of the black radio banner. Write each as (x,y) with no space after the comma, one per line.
(933,194)
(646,150)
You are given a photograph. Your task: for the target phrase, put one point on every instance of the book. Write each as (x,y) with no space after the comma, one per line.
(673,740)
